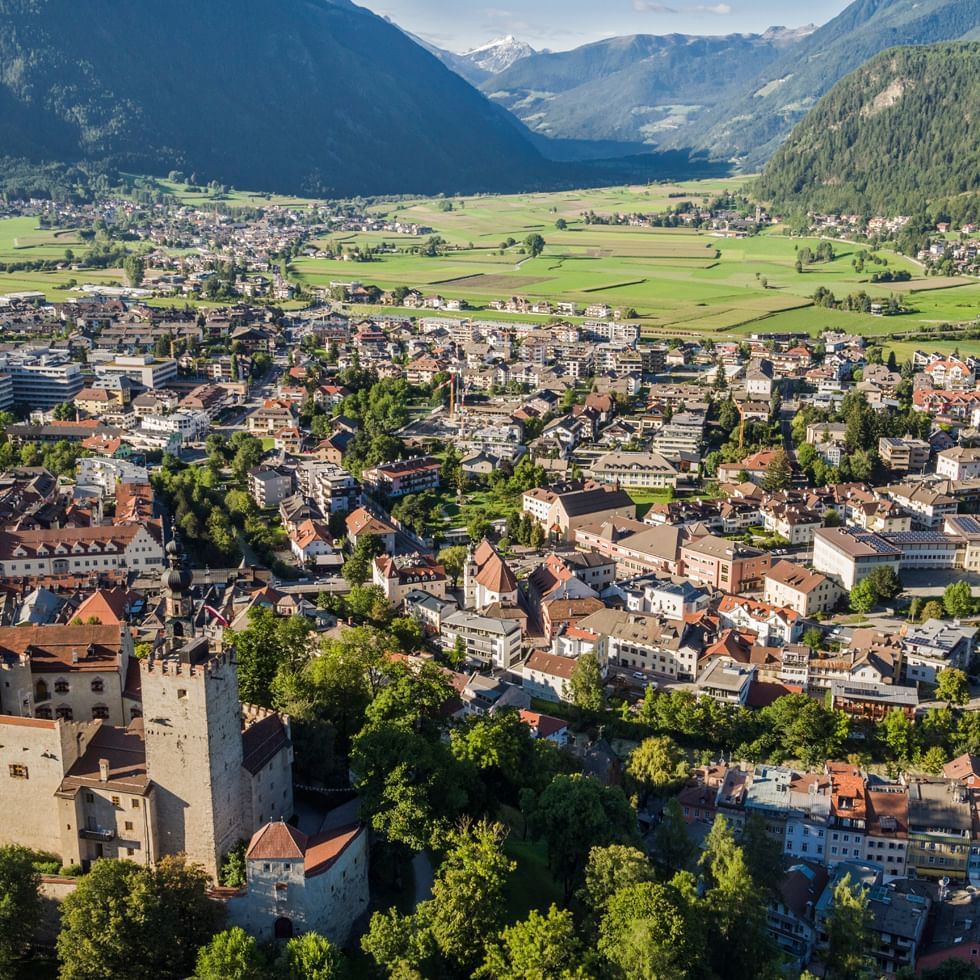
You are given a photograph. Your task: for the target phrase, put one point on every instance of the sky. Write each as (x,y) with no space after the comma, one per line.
(560,24)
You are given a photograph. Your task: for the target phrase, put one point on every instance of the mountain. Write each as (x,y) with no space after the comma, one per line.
(479,64)
(317,96)
(497,56)
(898,134)
(639,88)
(749,123)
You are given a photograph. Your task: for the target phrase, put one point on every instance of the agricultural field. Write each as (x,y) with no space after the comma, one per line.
(682,283)
(21,240)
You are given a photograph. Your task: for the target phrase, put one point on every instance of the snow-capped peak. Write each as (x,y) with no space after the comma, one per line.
(497,56)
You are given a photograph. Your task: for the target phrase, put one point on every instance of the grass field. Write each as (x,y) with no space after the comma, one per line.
(682,283)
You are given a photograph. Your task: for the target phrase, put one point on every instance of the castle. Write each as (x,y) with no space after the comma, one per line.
(194,771)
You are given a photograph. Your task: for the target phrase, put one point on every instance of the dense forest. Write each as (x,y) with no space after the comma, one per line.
(894,137)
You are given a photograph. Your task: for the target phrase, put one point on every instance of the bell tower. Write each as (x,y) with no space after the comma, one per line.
(176,581)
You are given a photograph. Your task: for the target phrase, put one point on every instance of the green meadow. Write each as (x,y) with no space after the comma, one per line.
(682,283)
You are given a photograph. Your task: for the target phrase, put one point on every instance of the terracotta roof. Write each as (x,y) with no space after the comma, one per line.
(495,575)
(324,849)
(124,750)
(551,663)
(362,521)
(106,605)
(544,725)
(276,841)
(61,648)
(26,722)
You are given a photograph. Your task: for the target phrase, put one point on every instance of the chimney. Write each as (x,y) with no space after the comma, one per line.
(74,656)
(103,770)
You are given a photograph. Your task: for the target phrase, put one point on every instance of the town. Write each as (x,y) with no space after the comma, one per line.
(306,597)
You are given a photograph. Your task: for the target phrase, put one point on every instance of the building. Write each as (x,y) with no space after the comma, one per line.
(298,884)
(547,676)
(726,681)
(636,470)
(959,463)
(97,471)
(487,578)
(562,510)
(848,555)
(728,566)
(362,523)
(404,476)
(74,672)
(182,425)
(146,370)
(904,455)
(42,378)
(492,641)
(402,574)
(193,775)
(79,551)
(269,485)
(795,587)
(940,829)
(934,645)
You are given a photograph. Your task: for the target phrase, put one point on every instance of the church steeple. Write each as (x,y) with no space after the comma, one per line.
(176,581)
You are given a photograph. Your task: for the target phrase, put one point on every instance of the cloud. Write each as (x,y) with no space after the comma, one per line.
(651,7)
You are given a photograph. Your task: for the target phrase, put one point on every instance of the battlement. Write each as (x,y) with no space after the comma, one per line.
(179,667)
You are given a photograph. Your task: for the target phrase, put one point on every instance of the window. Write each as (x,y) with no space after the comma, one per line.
(135,804)
(98,685)
(128,825)
(100,711)
(60,687)
(90,797)
(181,692)
(130,851)
(18,771)
(115,801)
(64,713)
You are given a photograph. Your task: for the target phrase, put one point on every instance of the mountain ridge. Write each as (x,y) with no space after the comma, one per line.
(313,96)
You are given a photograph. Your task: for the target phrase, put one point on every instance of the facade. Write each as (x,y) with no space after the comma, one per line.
(398,576)
(149,371)
(636,470)
(725,565)
(404,476)
(297,884)
(79,550)
(795,587)
(494,642)
(848,556)
(42,379)
(269,485)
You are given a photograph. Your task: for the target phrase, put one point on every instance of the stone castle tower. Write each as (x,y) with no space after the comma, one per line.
(193,731)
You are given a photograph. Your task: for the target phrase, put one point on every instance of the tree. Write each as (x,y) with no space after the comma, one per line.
(134,267)
(230,955)
(357,567)
(132,921)
(934,760)
(265,645)
(542,947)
(952,687)
(312,957)
(779,473)
(958,600)
(885,582)
(932,610)
(863,597)
(736,907)
(898,734)
(672,845)
(644,934)
(813,637)
(575,814)
(536,537)
(467,902)
(586,684)
(453,559)
(656,764)
(534,244)
(20,904)
(848,933)
(561,224)
(609,869)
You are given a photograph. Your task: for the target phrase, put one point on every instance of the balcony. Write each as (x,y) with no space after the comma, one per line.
(98,834)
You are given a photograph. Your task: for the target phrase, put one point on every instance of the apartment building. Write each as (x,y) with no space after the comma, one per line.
(42,378)
(146,370)
(494,642)
(79,550)
(646,471)
(795,587)
(728,566)
(904,455)
(959,463)
(401,477)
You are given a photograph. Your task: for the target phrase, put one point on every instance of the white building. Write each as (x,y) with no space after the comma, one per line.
(493,641)
(848,556)
(97,471)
